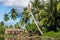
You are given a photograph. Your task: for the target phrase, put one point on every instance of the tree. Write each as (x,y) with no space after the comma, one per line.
(2,23)
(17,25)
(2,28)
(45,15)
(28,13)
(12,16)
(51,19)
(11,26)
(6,17)
(32,29)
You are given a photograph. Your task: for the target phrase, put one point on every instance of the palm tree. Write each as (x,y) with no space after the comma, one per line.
(11,26)
(51,18)
(2,23)
(29,14)
(43,16)
(17,25)
(6,17)
(13,14)
(2,28)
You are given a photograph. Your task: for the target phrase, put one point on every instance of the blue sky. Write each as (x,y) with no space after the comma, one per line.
(6,5)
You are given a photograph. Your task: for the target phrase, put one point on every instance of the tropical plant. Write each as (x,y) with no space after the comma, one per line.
(2,27)
(32,14)
(17,25)
(45,15)
(6,17)
(11,26)
(13,15)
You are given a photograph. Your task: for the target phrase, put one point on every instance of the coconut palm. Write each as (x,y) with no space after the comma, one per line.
(50,17)
(31,14)
(2,23)
(11,26)
(46,15)
(17,25)
(6,17)
(13,14)
(2,28)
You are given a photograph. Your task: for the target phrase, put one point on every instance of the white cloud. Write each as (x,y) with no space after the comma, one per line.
(2,0)
(14,2)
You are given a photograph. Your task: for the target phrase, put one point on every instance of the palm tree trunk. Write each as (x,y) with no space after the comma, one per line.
(36,23)
(55,12)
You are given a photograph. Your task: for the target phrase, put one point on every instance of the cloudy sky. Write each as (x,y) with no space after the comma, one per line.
(6,5)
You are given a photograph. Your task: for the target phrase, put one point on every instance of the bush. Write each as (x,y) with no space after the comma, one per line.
(2,30)
(1,38)
(55,35)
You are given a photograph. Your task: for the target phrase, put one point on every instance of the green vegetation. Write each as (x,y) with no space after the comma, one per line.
(52,34)
(45,17)
(45,14)
(2,28)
